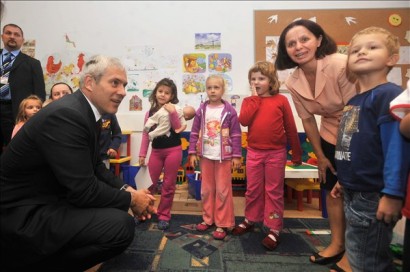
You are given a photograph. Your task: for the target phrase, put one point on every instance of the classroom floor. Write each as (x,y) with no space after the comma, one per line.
(187,204)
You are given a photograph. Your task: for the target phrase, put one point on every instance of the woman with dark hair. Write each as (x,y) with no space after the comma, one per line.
(319,86)
(57,91)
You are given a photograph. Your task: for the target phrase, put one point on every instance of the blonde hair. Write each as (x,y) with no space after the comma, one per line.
(218,77)
(21,114)
(267,69)
(392,41)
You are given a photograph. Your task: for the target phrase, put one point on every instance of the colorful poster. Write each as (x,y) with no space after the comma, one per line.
(219,62)
(208,41)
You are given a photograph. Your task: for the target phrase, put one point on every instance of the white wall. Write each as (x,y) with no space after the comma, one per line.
(109,27)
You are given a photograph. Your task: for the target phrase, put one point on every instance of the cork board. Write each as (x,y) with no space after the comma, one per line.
(341,25)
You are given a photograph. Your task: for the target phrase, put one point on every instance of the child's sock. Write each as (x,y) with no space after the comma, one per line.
(248,222)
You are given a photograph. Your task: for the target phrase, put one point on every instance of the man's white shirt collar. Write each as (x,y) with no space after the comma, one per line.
(95,111)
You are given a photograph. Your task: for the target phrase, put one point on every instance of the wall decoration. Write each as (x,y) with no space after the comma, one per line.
(194,63)
(29,48)
(219,62)
(135,103)
(228,83)
(193,84)
(63,67)
(271,44)
(208,41)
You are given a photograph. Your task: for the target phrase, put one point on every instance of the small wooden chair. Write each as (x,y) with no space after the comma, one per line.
(300,185)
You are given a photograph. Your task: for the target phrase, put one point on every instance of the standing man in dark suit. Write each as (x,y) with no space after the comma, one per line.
(21,76)
(61,209)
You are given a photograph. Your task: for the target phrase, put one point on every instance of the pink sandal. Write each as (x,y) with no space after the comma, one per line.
(203,226)
(242,228)
(271,241)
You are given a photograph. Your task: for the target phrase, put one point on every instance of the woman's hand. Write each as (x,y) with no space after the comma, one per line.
(322,165)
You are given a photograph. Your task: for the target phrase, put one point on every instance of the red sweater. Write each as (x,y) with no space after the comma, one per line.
(270,124)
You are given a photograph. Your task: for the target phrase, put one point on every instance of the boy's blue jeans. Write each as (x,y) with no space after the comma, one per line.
(367,239)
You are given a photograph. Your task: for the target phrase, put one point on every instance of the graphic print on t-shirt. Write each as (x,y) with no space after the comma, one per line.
(348,126)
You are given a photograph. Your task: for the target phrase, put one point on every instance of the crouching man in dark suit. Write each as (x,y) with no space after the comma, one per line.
(60,208)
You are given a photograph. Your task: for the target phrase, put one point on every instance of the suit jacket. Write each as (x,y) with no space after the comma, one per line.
(51,177)
(26,78)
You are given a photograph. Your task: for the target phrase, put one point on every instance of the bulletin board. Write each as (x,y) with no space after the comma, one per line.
(341,25)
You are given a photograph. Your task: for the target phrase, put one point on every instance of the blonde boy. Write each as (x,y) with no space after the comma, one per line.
(371,155)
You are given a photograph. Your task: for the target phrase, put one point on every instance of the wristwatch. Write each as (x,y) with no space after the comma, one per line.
(124,187)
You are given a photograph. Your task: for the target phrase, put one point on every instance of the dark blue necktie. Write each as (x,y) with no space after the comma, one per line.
(5,71)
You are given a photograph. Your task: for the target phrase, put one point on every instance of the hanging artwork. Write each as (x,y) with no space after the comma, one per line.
(193,84)
(194,63)
(219,62)
(208,41)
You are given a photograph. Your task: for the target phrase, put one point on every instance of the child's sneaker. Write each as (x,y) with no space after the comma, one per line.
(163,225)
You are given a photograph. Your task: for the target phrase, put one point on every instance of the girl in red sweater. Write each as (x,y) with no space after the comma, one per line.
(271,127)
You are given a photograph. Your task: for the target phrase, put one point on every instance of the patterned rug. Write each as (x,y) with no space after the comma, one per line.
(182,248)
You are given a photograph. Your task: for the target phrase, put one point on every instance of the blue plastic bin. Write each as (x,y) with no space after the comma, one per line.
(128,174)
(194,186)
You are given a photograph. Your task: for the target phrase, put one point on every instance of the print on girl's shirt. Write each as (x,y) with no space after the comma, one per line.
(212,131)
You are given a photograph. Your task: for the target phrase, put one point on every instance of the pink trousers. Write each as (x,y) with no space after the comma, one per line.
(265,172)
(216,193)
(168,159)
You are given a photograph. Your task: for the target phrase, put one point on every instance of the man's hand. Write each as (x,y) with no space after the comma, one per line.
(112,153)
(142,203)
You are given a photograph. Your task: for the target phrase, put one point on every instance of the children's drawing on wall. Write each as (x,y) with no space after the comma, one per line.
(271,43)
(29,48)
(233,99)
(63,67)
(228,83)
(132,85)
(219,62)
(135,103)
(194,63)
(208,41)
(342,48)
(141,58)
(193,84)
